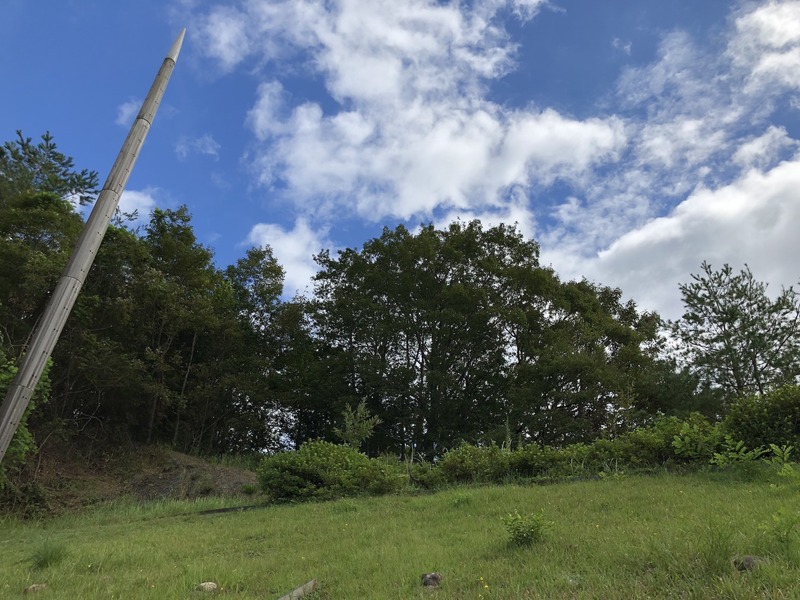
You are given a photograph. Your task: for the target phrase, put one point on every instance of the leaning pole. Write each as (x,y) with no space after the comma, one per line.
(60,304)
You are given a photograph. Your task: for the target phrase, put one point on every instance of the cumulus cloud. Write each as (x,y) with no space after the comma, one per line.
(294,250)
(414,133)
(204,145)
(689,164)
(764,150)
(224,33)
(751,220)
(699,131)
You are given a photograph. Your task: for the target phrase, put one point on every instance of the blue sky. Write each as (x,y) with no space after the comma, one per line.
(632,139)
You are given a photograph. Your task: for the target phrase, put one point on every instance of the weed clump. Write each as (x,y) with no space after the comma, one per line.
(525,530)
(47,555)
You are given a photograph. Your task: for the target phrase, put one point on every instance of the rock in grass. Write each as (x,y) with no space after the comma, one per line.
(35,587)
(208,586)
(431,579)
(748,563)
(301,592)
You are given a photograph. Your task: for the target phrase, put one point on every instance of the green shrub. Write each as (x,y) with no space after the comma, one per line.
(323,470)
(575,460)
(425,475)
(479,464)
(652,446)
(605,455)
(734,452)
(782,532)
(525,530)
(781,459)
(773,418)
(27,499)
(697,440)
(533,460)
(694,441)
(383,475)
(249,489)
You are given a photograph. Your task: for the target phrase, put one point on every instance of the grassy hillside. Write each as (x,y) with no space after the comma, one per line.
(649,537)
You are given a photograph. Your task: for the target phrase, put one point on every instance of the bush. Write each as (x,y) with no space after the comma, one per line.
(322,470)
(697,440)
(383,475)
(782,532)
(24,498)
(425,475)
(651,446)
(574,460)
(525,530)
(533,460)
(474,464)
(773,418)
(733,452)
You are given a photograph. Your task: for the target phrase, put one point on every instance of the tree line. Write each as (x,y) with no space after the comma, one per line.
(442,335)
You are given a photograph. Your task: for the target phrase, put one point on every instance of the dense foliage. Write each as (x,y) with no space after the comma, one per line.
(770,419)
(161,346)
(460,334)
(321,470)
(413,345)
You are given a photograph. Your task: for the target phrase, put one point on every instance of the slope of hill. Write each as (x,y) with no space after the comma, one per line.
(636,537)
(64,477)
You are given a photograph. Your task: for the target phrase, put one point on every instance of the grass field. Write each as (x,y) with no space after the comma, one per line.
(665,536)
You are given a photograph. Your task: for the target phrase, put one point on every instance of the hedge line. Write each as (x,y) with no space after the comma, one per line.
(766,427)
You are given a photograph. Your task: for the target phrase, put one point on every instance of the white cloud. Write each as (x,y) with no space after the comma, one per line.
(414,134)
(224,35)
(679,140)
(698,121)
(767,43)
(294,250)
(688,167)
(204,145)
(140,202)
(127,111)
(765,150)
(266,117)
(751,220)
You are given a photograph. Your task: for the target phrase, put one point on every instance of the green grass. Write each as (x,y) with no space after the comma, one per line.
(638,537)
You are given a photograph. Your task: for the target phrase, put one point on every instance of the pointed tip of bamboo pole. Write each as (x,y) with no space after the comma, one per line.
(176,46)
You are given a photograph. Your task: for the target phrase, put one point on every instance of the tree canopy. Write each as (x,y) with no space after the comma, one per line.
(460,334)
(734,336)
(410,344)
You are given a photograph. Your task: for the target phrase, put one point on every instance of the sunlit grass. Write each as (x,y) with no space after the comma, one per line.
(654,537)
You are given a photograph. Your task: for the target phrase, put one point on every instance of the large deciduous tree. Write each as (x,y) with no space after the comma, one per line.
(460,334)
(734,336)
